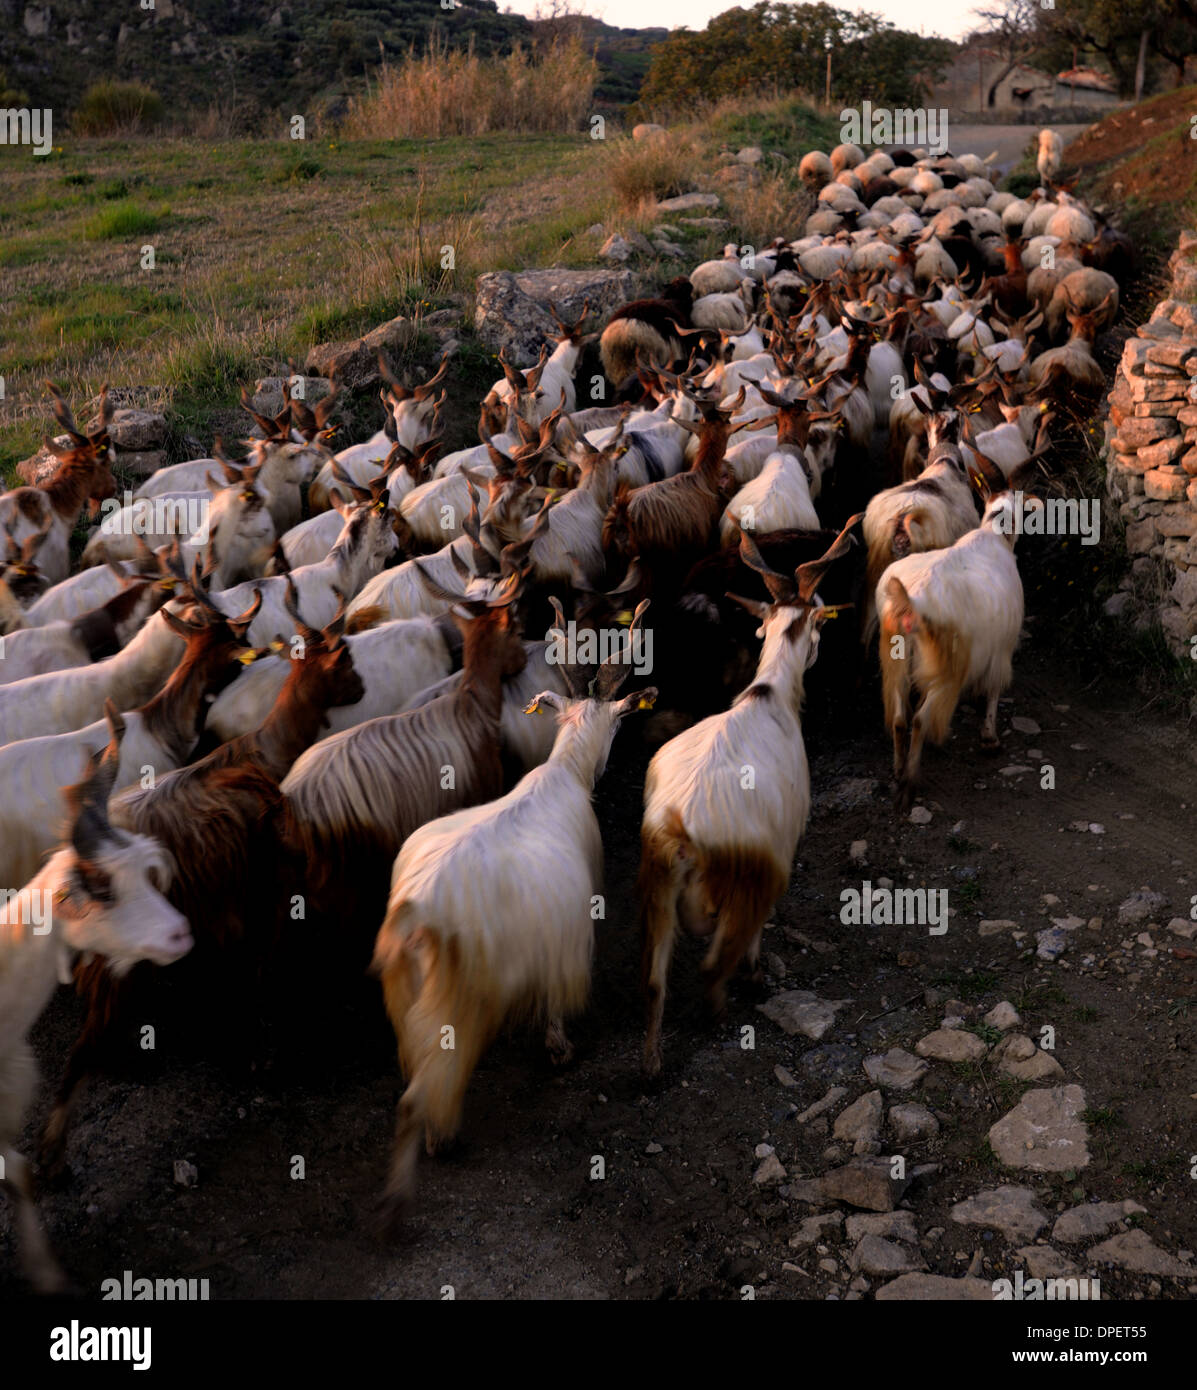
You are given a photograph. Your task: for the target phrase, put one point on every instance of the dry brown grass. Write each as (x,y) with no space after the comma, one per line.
(642,171)
(759,211)
(454,92)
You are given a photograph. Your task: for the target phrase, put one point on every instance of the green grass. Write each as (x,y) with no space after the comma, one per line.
(123,220)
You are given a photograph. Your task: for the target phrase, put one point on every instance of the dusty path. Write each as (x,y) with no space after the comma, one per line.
(514,1211)
(1008,140)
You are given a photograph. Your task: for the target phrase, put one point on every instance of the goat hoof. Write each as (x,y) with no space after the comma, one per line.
(991,746)
(650,1064)
(561,1056)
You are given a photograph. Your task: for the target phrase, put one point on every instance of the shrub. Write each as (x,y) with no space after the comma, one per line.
(642,170)
(111,107)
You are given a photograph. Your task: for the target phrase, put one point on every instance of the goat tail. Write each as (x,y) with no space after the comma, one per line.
(899,627)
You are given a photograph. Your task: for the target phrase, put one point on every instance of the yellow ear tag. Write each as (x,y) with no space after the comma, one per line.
(831,612)
(533,706)
(167,584)
(625,617)
(277,646)
(246,658)
(646,702)
(381,505)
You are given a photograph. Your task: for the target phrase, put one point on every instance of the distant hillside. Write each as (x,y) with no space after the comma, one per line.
(274,55)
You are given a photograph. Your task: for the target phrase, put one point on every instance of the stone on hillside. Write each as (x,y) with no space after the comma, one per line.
(512,310)
(1045,1263)
(861,1121)
(1044,1132)
(354,361)
(1008,1209)
(951,1045)
(646,130)
(141,464)
(38,467)
(937,1288)
(1092,1219)
(687,202)
(897,1069)
(912,1122)
(801,1011)
(812,1229)
(751,154)
(865,1182)
(876,1255)
(1140,906)
(268,396)
(1003,1016)
(135,430)
(1137,1252)
(892,1225)
(812,1112)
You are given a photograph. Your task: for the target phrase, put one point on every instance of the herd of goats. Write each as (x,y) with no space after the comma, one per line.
(376,691)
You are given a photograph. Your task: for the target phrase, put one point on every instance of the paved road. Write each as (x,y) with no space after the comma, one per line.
(1008,140)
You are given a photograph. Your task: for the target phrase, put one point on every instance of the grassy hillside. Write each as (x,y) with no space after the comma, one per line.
(1145,160)
(263,248)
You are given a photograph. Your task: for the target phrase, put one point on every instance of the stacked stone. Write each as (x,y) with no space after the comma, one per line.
(1152,452)
(139,438)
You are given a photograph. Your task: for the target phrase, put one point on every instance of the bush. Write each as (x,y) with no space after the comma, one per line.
(110,108)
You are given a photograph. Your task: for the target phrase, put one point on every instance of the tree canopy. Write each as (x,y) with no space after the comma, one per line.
(776,47)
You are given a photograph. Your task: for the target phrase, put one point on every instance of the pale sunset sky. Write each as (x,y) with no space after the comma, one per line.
(950,19)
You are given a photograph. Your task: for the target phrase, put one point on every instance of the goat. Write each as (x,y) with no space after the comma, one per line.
(715,857)
(106,888)
(671,523)
(355,797)
(447,960)
(21,581)
(1050,156)
(54,506)
(646,330)
(58,646)
(162,734)
(219,819)
(950,621)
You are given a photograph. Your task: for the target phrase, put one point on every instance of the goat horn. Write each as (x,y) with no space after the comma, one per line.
(88,798)
(809,575)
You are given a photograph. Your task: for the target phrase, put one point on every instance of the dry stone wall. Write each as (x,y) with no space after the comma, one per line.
(1151,472)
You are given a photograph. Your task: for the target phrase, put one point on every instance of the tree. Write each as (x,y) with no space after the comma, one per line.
(1014,30)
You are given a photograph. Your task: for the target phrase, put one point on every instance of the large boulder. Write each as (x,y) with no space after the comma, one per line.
(512,309)
(355,360)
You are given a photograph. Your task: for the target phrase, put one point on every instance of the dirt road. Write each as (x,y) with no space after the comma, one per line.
(1008,140)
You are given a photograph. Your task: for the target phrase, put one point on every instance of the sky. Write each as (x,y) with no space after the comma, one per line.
(950,19)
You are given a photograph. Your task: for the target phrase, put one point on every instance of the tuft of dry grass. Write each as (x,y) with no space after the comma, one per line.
(447,91)
(760,211)
(642,171)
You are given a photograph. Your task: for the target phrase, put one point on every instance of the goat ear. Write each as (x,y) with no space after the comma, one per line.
(547,699)
(642,699)
(758,610)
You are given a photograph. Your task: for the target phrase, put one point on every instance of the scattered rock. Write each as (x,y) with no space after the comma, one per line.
(935,1287)
(1141,906)
(1181,926)
(875,1255)
(751,154)
(1003,1016)
(1025,726)
(142,464)
(687,202)
(1008,1209)
(893,1225)
(897,1069)
(802,1011)
(786,1078)
(1052,943)
(186,1174)
(1044,1132)
(919,815)
(813,1228)
(1136,1251)
(833,1097)
(771,1170)
(1092,1219)
(646,130)
(135,430)
(1045,1263)
(268,397)
(512,310)
(951,1045)
(354,361)
(861,1121)
(859,849)
(910,1123)
(993,925)
(865,1182)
